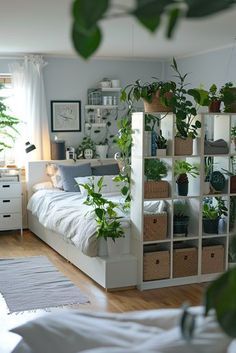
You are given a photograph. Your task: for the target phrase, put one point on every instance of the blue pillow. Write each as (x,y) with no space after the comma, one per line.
(109,169)
(68,173)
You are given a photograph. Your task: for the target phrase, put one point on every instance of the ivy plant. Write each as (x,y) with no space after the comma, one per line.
(87,16)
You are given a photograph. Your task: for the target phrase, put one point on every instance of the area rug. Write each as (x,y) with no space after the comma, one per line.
(31,283)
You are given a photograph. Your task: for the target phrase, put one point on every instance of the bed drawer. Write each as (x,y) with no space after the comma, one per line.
(10,221)
(9,189)
(10,205)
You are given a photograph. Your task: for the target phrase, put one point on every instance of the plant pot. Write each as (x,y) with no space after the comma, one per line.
(233,184)
(161,152)
(156,189)
(231,108)
(101,151)
(181,226)
(182,189)
(120,246)
(206,187)
(183,147)
(155,105)
(102,247)
(214,106)
(210,226)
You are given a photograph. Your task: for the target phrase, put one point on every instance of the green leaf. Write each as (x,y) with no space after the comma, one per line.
(174,15)
(87,13)
(99,213)
(86,43)
(124,190)
(149,12)
(201,8)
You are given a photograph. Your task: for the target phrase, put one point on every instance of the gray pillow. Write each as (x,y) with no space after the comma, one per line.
(109,169)
(68,173)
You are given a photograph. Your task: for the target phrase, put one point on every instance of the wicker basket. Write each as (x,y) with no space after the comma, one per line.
(156,265)
(156,106)
(213,259)
(155,227)
(185,262)
(156,189)
(183,147)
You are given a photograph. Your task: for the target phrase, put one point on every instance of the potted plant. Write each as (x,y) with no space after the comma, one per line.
(231,174)
(86,149)
(181,218)
(212,98)
(186,123)
(233,135)
(181,171)
(212,213)
(156,95)
(155,170)
(228,92)
(161,145)
(208,166)
(7,127)
(102,149)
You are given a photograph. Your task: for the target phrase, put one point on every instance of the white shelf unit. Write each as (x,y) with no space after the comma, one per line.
(220,125)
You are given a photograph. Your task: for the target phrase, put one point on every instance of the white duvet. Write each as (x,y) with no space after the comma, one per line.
(66,214)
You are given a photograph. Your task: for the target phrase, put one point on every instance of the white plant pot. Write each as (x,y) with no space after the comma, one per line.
(120,246)
(206,187)
(161,152)
(102,247)
(101,151)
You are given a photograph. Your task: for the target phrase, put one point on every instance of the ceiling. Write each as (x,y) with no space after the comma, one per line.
(43,26)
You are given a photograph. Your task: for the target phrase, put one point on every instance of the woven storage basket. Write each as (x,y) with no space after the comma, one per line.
(156,106)
(155,227)
(185,262)
(156,265)
(213,259)
(183,147)
(156,189)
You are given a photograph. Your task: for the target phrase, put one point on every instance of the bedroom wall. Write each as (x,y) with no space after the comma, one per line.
(69,79)
(217,67)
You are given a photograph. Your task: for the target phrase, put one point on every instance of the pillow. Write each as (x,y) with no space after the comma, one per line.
(42,186)
(69,173)
(109,169)
(57,180)
(109,186)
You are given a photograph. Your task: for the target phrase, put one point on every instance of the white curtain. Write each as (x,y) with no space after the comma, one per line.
(30,101)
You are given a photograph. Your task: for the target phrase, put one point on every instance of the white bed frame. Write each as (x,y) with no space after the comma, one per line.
(118,271)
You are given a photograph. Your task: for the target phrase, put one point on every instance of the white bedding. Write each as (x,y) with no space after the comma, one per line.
(65,213)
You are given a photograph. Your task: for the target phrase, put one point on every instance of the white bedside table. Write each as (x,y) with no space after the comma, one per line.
(10,200)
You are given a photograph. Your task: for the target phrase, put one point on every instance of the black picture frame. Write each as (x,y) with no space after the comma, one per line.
(65,116)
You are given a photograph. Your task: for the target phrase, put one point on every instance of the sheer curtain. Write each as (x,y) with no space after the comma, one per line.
(28,86)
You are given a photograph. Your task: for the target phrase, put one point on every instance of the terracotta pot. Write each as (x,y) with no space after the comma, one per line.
(214,106)
(155,106)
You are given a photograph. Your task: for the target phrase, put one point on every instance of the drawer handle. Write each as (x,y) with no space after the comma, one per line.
(212,255)
(6,186)
(6,216)
(6,201)
(157,262)
(186,257)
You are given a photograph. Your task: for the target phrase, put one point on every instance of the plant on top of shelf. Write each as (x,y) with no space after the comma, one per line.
(211,99)
(211,214)
(155,170)
(156,95)
(228,92)
(107,219)
(185,112)
(181,218)
(7,125)
(181,171)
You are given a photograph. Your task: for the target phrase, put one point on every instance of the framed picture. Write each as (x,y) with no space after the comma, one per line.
(65,116)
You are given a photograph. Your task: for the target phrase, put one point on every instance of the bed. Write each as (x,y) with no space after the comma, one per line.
(114,271)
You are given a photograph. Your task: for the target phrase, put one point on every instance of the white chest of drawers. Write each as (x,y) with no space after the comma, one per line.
(10,205)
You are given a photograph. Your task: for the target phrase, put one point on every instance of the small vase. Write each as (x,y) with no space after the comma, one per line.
(161,152)
(101,151)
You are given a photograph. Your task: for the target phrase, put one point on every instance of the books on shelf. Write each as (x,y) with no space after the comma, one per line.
(9,174)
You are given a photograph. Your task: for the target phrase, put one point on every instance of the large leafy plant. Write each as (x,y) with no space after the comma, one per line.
(155,169)
(88,14)
(7,126)
(218,210)
(108,224)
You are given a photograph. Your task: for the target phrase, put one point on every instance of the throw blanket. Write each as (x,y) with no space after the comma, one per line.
(66,214)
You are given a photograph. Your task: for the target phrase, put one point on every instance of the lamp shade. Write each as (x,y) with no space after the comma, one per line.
(29,147)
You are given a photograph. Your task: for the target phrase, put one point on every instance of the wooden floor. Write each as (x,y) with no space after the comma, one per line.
(11,245)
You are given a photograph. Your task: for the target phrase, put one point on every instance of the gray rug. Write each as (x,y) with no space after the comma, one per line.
(34,283)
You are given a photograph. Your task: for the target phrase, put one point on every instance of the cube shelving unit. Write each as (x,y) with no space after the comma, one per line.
(184,258)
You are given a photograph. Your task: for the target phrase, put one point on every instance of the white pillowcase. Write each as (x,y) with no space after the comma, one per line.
(109,186)
(57,180)
(42,186)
